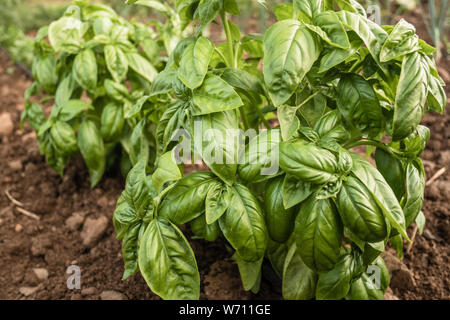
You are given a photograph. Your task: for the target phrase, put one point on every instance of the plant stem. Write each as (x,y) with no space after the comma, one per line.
(226,26)
(261,115)
(374,143)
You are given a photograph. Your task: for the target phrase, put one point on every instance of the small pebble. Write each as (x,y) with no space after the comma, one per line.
(18,228)
(41,273)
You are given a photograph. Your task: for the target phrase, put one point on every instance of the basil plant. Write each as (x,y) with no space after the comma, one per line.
(321,81)
(94,66)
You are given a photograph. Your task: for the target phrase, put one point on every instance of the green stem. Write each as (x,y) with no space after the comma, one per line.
(374,143)
(226,26)
(244,118)
(261,115)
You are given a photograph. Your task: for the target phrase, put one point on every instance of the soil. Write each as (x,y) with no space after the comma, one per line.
(53,244)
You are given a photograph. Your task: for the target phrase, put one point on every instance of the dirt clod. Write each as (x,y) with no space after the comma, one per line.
(93,230)
(6,124)
(75,221)
(112,295)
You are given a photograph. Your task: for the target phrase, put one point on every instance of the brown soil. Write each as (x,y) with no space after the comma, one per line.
(26,243)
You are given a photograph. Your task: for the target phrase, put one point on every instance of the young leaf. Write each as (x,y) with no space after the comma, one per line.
(308,162)
(217,202)
(290,50)
(92,148)
(364,289)
(415,187)
(117,62)
(392,170)
(214,95)
(203,230)
(250,271)
(295,191)
(186,200)
(112,122)
(167,262)
(411,96)
(167,170)
(401,41)
(194,62)
(141,66)
(85,69)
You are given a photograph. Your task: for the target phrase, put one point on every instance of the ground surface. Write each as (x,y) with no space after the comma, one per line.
(65,206)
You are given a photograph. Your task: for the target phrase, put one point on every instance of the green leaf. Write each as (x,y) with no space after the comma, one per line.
(214,95)
(73,108)
(243,224)
(329,127)
(116,91)
(318,231)
(217,146)
(65,34)
(65,90)
(163,82)
(85,70)
(92,148)
(289,122)
(290,50)
(63,138)
(437,98)
(295,191)
(45,72)
(112,122)
(217,202)
(194,62)
(359,211)
(372,34)
(420,221)
(208,11)
(209,232)
(415,187)
(276,253)
(241,79)
(335,284)
(364,289)
(359,105)
(141,66)
(279,221)
(136,108)
(186,200)
(260,160)
(412,91)
(401,41)
(381,192)
(308,162)
(299,281)
(392,170)
(116,62)
(284,11)
(335,56)
(307,9)
(328,26)
(130,249)
(167,170)
(167,262)
(250,271)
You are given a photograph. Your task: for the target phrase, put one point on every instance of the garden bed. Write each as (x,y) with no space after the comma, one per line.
(70,214)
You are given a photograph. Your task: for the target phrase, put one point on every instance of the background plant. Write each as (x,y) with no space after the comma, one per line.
(93,66)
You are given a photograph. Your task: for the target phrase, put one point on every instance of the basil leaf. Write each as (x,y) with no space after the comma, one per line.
(307,8)
(318,231)
(167,170)
(217,202)
(92,148)
(208,11)
(72,108)
(112,122)
(289,122)
(290,50)
(203,230)
(243,224)
(194,62)
(364,288)
(382,193)
(214,95)
(401,41)
(163,82)
(308,162)
(412,91)
(299,281)
(437,98)
(260,159)
(276,253)
(167,262)
(415,187)
(186,200)
(392,170)
(85,70)
(295,191)
(328,26)
(116,62)
(359,106)
(250,271)
(279,221)
(359,211)
(141,66)
(218,149)
(63,137)
(335,284)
